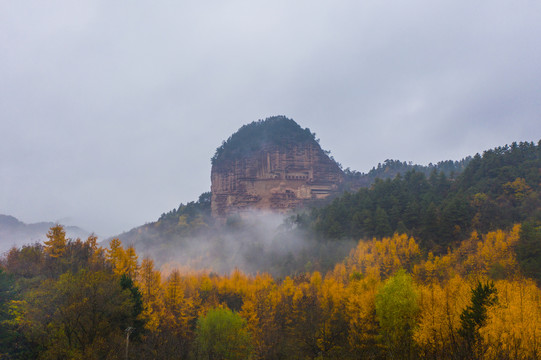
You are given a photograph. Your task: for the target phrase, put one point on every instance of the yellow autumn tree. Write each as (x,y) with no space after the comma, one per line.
(489,255)
(439,320)
(149,283)
(260,311)
(232,289)
(496,255)
(434,269)
(97,254)
(360,310)
(129,262)
(388,255)
(333,324)
(55,246)
(115,255)
(178,314)
(513,329)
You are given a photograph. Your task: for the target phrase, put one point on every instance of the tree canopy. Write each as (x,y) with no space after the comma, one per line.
(495,191)
(276,131)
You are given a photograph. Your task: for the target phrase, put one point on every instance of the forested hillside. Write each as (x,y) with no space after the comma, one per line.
(188,220)
(414,267)
(495,191)
(389,169)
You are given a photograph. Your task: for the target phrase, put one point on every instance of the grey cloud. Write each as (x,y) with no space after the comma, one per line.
(110,112)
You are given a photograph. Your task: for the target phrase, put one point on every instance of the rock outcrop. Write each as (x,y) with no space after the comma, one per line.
(271,165)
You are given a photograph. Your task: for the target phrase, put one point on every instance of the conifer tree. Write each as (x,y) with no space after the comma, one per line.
(475,316)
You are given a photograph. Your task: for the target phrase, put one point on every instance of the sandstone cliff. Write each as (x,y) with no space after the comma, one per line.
(271,165)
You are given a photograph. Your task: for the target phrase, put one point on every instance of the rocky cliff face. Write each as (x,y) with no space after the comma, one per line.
(273,177)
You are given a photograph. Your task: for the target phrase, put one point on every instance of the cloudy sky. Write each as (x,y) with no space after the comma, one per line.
(111,110)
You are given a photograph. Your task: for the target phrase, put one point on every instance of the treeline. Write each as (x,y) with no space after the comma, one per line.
(389,169)
(495,190)
(63,300)
(72,299)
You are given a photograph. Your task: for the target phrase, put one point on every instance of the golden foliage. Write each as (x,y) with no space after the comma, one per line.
(514,324)
(313,315)
(55,246)
(387,255)
(491,255)
(439,320)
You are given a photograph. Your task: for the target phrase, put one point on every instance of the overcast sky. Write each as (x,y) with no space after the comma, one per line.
(111,110)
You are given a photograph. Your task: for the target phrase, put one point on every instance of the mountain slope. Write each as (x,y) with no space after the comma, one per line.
(495,190)
(15,233)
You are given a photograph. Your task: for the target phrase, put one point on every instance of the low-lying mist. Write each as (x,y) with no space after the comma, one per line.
(15,233)
(254,242)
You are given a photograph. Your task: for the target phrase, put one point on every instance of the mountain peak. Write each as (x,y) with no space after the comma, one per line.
(272,164)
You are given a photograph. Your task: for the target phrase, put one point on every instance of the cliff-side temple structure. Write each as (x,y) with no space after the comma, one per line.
(271,164)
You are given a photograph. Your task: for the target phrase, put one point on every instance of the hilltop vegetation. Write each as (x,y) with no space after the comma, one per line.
(188,220)
(277,131)
(390,169)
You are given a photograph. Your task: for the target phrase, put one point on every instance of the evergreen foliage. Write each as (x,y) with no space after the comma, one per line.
(474,317)
(8,333)
(191,211)
(277,130)
(528,249)
(187,220)
(389,169)
(495,190)
(138,323)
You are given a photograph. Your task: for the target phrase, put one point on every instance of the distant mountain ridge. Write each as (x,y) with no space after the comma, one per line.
(389,169)
(14,232)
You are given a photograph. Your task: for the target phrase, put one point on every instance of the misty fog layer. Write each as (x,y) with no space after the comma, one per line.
(15,233)
(254,242)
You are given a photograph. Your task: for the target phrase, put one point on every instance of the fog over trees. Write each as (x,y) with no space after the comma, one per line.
(368,275)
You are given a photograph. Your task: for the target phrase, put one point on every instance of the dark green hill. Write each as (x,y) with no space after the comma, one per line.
(389,169)
(277,131)
(495,191)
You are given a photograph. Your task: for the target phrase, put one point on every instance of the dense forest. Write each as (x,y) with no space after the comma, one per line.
(72,299)
(495,191)
(389,169)
(277,130)
(439,266)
